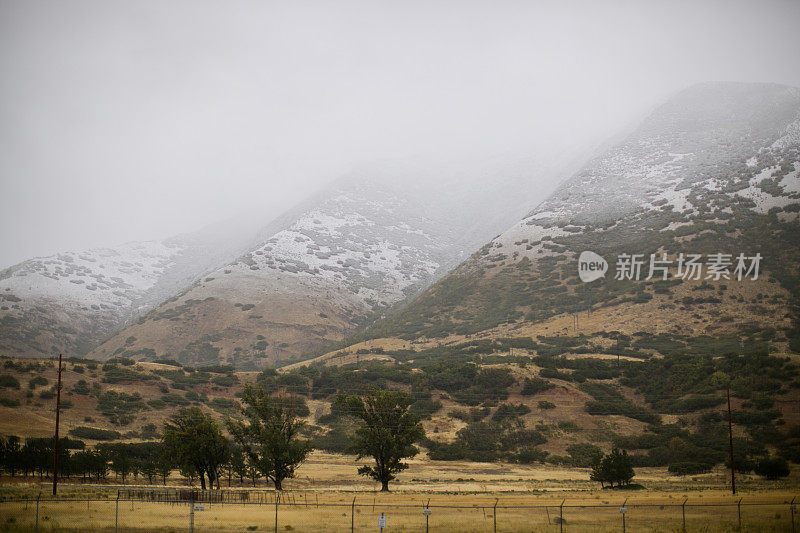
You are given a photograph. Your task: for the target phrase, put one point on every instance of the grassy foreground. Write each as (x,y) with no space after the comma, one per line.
(327,511)
(461,495)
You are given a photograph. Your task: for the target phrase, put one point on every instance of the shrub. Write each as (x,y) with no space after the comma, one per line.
(530,454)
(85,432)
(81,387)
(544,404)
(174,399)
(48,394)
(772,468)
(38,380)
(535,386)
(8,381)
(156,403)
(584,455)
(221,404)
(116,374)
(227,380)
(688,468)
(508,411)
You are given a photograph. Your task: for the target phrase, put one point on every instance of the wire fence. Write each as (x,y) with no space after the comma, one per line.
(187,510)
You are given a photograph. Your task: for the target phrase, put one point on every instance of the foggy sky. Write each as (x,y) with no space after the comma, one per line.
(138,120)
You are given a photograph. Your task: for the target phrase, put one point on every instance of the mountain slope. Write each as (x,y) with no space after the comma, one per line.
(622,361)
(371,240)
(71,301)
(714,170)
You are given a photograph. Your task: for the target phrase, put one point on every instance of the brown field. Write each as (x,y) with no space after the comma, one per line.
(461,496)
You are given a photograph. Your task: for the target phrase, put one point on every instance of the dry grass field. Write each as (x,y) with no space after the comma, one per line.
(461,496)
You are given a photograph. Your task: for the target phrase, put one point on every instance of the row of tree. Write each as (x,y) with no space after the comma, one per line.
(267,442)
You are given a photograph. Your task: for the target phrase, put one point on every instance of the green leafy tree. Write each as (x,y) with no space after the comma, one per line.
(772,468)
(270,434)
(584,455)
(387,434)
(613,468)
(238,462)
(194,441)
(10,454)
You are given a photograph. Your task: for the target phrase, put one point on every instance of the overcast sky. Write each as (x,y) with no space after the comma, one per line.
(138,120)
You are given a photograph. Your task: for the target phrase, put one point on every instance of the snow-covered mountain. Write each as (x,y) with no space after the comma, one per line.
(342,258)
(71,301)
(712,170)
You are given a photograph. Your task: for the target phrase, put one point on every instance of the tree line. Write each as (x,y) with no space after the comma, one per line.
(267,443)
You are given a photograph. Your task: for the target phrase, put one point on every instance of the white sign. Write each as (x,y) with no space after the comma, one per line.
(198,507)
(382,522)
(623,510)
(426,512)
(635,267)
(591,266)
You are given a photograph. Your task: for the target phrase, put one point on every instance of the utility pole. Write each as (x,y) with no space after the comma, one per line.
(730,438)
(55,444)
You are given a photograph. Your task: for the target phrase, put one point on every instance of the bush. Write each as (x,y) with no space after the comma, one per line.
(48,394)
(507,411)
(688,468)
(38,380)
(584,455)
(544,404)
(530,454)
(227,380)
(85,432)
(81,387)
(120,406)
(8,381)
(772,468)
(174,399)
(156,403)
(9,402)
(535,386)
(222,404)
(115,374)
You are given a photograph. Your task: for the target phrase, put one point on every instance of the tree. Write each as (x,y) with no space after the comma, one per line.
(772,468)
(613,468)
(387,433)
(194,441)
(238,462)
(270,435)
(585,455)
(10,454)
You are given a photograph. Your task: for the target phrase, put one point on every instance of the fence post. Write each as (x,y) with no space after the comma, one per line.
(116,514)
(191,511)
(739,513)
(561,516)
(353,516)
(37,511)
(427,514)
(683,512)
(791,513)
(623,510)
(494,515)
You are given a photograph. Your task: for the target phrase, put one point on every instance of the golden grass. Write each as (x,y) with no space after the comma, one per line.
(332,511)
(462,497)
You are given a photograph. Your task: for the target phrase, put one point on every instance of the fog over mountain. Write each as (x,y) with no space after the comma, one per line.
(139,121)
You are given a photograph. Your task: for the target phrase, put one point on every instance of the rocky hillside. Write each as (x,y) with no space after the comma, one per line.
(340,259)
